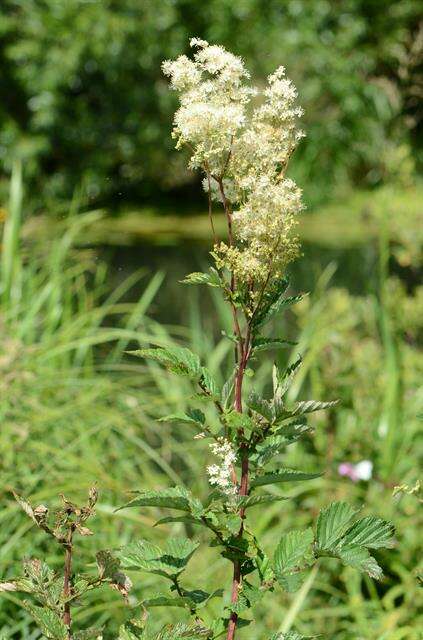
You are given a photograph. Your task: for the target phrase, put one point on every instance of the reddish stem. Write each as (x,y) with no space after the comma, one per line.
(67,587)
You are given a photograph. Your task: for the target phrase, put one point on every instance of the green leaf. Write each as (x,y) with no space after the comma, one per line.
(208,382)
(108,565)
(332,523)
(22,585)
(236,420)
(292,554)
(198,277)
(179,360)
(359,558)
(48,622)
(251,501)
(283,381)
(284,475)
(132,630)
(261,406)
(265,344)
(371,532)
(200,598)
(291,635)
(87,634)
(174,498)
(311,405)
(183,631)
(192,416)
(164,600)
(167,562)
(186,519)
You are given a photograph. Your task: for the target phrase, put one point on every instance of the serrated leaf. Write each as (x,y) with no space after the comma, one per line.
(332,523)
(291,635)
(359,558)
(208,382)
(183,631)
(48,622)
(261,406)
(251,501)
(292,550)
(179,360)
(283,381)
(200,598)
(164,600)
(87,634)
(236,420)
(370,532)
(186,519)
(265,344)
(198,277)
(192,416)
(25,506)
(177,498)
(283,475)
(292,554)
(169,561)
(132,630)
(107,563)
(309,406)
(22,585)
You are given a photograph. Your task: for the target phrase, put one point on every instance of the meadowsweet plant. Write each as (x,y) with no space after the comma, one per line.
(241,140)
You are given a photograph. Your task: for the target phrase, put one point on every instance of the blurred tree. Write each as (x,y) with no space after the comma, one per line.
(84,102)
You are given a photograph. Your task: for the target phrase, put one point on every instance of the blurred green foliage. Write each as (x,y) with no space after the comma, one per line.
(84,102)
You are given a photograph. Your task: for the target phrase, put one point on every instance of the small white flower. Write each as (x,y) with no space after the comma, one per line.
(221,475)
(364,470)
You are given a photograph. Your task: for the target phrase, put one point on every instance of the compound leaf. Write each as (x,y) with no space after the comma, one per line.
(332,523)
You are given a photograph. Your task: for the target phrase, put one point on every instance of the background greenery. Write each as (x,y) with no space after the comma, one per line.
(84,100)
(105,222)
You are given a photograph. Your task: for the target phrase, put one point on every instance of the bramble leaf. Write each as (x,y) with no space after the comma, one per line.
(283,475)
(332,523)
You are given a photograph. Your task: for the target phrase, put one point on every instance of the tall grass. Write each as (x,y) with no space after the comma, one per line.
(75,409)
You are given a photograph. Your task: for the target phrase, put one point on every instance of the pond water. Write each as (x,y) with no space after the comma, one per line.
(356,269)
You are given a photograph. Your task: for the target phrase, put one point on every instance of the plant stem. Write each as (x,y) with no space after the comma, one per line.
(67,583)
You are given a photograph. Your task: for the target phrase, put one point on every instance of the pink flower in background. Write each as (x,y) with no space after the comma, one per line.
(355,472)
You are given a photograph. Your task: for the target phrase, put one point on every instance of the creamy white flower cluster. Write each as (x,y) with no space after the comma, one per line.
(244,148)
(220,475)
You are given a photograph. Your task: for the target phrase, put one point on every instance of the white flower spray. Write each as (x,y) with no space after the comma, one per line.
(220,475)
(243,149)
